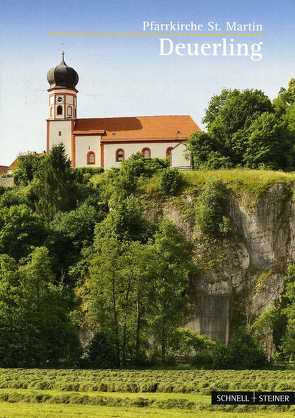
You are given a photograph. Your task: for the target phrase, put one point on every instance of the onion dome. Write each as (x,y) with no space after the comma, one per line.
(62,76)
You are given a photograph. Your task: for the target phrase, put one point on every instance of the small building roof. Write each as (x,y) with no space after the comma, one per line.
(132,129)
(3,169)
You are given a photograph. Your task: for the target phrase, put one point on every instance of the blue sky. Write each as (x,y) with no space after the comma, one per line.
(127,76)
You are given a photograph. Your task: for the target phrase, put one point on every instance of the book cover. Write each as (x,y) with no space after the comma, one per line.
(147,246)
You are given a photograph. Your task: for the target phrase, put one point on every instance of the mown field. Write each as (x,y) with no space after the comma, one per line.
(130,393)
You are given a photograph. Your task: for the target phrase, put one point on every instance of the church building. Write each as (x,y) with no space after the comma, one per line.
(106,142)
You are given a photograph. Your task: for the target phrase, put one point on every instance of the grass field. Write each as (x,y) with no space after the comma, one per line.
(134,393)
(23,410)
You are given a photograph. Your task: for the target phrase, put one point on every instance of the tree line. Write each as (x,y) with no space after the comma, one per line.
(246,129)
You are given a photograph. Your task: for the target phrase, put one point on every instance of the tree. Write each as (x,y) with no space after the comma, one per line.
(115,296)
(191,347)
(268,144)
(243,352)
(170,268)
(285,99)
(245,129)
(55,188)
(289,312)
(69,233)
(20,229)
(34,314)
(207,153)
(230,114)
(134,293)
(118,184)
(137,166)
(126,221)
(28,166)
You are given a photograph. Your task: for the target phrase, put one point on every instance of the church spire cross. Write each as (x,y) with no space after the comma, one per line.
(62,57)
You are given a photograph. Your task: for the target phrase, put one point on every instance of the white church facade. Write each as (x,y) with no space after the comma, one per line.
(106,142)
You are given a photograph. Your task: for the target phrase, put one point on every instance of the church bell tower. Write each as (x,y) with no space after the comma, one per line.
(62,91)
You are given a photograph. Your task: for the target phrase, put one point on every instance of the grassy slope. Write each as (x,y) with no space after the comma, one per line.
(237,179)
(241,181)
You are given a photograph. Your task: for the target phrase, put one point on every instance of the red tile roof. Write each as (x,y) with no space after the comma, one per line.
(3,169)
(156,128)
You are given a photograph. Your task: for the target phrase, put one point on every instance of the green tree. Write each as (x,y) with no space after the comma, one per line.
(115,296)
(15,196)
(243,130)
(170,267)
(243,352)
(55,188)
(134,293)
(126,221)
(118,184)
(34,314)
(268,144)
(230,114)
(69,233)
(191,347)
(20,229)
(28,166)
(285,99)
(289,312)
(101,292)
(207,153)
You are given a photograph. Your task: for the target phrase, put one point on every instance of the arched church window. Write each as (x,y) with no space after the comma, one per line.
(90,158)
(70,111)
(146,153)
(59,110)
(120,155)
(168,154)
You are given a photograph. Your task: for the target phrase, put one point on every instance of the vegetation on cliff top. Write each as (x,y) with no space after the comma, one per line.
(245,129)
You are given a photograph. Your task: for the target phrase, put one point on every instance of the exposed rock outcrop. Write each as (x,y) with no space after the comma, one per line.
(244,272)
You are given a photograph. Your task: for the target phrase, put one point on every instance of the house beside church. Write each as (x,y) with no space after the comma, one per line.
(106,142)
(3,169)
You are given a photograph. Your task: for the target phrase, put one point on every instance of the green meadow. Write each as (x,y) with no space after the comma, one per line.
(135,393)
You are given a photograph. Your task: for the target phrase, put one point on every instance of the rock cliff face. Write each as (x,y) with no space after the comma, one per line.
(243,274)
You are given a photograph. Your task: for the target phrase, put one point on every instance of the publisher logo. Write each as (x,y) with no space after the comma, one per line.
(253,398)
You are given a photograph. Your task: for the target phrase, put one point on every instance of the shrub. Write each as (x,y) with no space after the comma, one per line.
(243,352)
(89,170)
(191,347)
(124,181)
(171,181)
(100,352)
(212,210)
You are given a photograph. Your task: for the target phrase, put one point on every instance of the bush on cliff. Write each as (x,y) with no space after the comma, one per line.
(212,210)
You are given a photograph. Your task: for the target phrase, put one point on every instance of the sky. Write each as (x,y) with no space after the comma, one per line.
(126,76)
